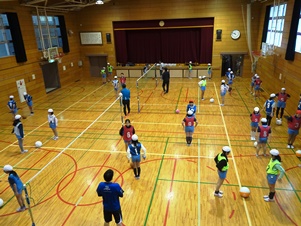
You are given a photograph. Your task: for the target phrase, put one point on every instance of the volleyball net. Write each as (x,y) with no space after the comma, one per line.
(61,167)
(146,83)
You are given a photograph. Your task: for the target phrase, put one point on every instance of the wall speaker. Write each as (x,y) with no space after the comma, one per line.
(219,35)
(108,37)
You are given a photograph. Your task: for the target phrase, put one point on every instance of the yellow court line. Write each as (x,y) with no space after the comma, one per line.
(233,159)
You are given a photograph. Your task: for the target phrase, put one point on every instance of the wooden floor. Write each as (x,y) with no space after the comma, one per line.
(177,182)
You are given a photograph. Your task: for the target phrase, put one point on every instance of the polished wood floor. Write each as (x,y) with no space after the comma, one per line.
(177,182)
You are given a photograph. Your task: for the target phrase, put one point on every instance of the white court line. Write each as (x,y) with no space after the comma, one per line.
(99,100)
(199,182)
(233,159)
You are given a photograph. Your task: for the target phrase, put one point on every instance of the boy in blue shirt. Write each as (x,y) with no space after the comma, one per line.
(28,100)
(110,193)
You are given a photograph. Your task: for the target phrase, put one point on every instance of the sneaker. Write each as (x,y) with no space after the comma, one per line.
(292,146)
(265,196)
(203,99)
(55,138)
(22,152)
(137,178)
(221,192)
(268,199)
(256,155)
(218,195)
(288,146)
(21,209)
(221,104)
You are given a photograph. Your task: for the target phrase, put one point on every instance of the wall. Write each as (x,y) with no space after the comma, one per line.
(270,67)
(10,71)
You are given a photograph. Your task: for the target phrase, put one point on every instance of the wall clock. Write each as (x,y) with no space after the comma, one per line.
(235,34)
(161,23)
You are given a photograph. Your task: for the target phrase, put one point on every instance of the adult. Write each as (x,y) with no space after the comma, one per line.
(294,123)
(165,78)
(202,85)
(28,100)
(281,104)
(273,169)
(16,185)
(110,193)
(222,166)
(263,133)
(19,132)
(53,123)
(12,106)
(189,123)
(134,154)
(224,88)
(127,131)
(126,96)
(269,107)
(255,118)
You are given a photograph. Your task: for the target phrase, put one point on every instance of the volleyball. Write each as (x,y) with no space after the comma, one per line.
(1,202)
(244,192)
(38,144)
(298,153)
(120,94)
(177,111)
(211,100)
(255,144)
(278,122)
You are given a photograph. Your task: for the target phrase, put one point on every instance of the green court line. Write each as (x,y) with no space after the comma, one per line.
(243,101)
(177,104)
(225,184)
(155,186)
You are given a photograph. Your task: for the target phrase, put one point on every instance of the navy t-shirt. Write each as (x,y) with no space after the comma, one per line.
(110,193)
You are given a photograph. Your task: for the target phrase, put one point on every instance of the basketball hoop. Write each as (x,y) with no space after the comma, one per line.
(59,57)
(256,55)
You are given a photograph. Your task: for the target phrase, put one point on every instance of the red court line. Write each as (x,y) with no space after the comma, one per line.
(68,216)
(232,213)
(281,208)
(187,90)
(170,190)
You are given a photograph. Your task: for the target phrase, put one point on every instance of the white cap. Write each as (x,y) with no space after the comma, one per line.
(229,69)
(282,89)
(231,72)
(223,81)
(18,116)
(190,62)
(134,137)
(108,63)
(115,76)
(226,149)
(209,64)
(24,93)
(204,77)
(256,109)
(272,95)
(50,110)
(190,112)
(257,76)
(11,97)
(7,168)
(274,152)
(264,120)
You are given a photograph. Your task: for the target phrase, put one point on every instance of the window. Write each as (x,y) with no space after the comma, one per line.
(6,42)
(47,31)
(276,24)
(298,38)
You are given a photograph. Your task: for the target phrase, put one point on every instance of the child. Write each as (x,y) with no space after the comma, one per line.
(28,100)
(209,71)
(16,185)
(127,132)
(122,79)
(53,122)
(264,132)
(103,75)
(12,106)
(255,117)
(224,89)
(189,123)
(115,84)
(18,131)
(191,107)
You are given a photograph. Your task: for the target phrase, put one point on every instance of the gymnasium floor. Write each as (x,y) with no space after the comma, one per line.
(177,182)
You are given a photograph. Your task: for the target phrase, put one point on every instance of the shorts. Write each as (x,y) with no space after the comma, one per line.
(252,84)
(14,111)
(128,142)
(222,174)
(269,114)
(257,87)
(230,82)
(117,216)
(29,103)
(272,178)
(292,132)
(52,125)
(136,158)
(209,72)
(262,140)
(223,93)
(104,76)
(281,104)
(254,124)
(203,88)
(189,129)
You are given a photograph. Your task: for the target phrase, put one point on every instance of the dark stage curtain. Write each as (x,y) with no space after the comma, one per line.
(206,45)
(266,24)
(64,34)
(121,46)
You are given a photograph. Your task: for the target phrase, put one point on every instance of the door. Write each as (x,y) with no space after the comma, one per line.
(51,76)
(96,63)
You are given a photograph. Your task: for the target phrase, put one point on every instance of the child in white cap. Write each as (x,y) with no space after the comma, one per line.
(28,100)
(53,122)
(12,106)
(19,132)
(224,89)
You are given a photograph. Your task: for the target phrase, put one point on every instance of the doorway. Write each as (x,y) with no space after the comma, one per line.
(96,63)
(233,61)
(51,76)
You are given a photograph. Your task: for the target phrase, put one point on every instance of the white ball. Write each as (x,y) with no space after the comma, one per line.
(255,144)
(211,100)
(1,202)
(38,144)
(278,122)
(120,94)
(244,192)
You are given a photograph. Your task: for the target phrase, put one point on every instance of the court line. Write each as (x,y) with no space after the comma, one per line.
(233,159)
(199,182)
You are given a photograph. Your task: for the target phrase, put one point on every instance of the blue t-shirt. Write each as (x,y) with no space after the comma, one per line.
(28,98)
(135,150)
(110,193)
(269,105)
(15,179)
(191,108)
(299,105)
(126,94)
(12,104)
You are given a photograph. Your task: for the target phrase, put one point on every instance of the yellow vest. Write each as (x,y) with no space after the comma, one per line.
(270,168)
(220,158)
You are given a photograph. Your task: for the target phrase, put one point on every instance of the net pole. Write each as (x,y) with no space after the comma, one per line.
(29,207)
(138,95)
(121,116)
